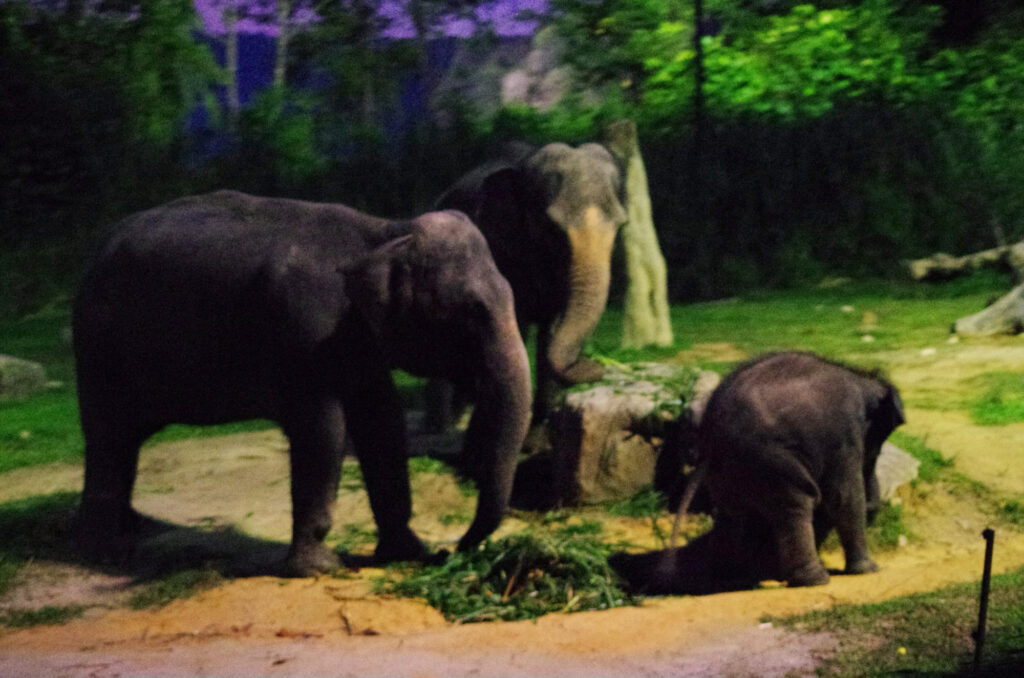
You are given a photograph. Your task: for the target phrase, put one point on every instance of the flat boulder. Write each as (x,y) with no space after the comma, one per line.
(20,378)
(606,436)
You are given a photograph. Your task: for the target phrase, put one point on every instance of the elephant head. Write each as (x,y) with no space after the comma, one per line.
(550,217)
(437,305)
(580,189)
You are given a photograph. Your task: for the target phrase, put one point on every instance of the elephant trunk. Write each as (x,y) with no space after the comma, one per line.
(589,277)
(496,432)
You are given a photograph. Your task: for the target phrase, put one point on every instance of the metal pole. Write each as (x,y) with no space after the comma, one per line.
(979,633)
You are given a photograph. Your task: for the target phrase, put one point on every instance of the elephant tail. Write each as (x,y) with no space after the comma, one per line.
(692,485)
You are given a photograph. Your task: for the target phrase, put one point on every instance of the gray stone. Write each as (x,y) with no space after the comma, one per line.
(606,438)
(20,378)
(1005,316)
(893,469)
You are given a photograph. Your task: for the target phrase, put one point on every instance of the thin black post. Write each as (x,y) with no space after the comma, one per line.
(979,633)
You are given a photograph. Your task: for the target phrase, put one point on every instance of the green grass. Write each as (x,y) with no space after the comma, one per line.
(933,464)
(908,316)
(174,586)
(923,634)
(1001,400)
(43,616)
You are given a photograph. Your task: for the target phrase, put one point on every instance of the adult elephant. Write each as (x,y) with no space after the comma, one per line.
(787,449)
(225,306)
(550,216)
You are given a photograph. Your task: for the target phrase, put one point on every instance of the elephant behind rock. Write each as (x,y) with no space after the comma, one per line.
(224,307)
(787,450)
(550,216)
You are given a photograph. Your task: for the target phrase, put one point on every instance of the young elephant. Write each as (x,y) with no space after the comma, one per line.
(225,307)
(787,449)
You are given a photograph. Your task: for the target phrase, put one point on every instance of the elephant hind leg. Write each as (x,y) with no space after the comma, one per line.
(795,540)
(107,525)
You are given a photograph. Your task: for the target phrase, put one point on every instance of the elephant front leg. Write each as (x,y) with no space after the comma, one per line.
(317,436)
(376,425)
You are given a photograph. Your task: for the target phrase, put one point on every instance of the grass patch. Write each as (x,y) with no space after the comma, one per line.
(44,616)
(522,576)
(183,584)
(1001,401)
(1012,511)
(827,321)
(933,464)
(353,538)
(884,534)
(926,634)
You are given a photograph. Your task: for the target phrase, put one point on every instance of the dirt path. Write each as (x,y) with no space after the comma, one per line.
(265,626)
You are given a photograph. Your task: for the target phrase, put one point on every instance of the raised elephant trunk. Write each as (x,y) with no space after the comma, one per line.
(589,276)
(496,432)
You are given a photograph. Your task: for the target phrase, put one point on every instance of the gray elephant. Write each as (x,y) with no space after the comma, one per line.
(225,307)
(787,449)
(550,216)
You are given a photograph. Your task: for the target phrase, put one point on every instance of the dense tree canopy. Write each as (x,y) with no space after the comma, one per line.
(893,126)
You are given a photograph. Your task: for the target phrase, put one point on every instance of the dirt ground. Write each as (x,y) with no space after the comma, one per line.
(227,498)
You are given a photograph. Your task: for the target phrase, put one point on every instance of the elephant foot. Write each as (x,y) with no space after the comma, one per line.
(582,371)
(811,574)
(862,566)
(400,548)
(104,541)
(310,560)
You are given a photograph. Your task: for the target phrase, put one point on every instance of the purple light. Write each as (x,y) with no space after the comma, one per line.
(257,16)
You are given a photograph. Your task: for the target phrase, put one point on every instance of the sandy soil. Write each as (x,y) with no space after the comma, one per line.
(260,625)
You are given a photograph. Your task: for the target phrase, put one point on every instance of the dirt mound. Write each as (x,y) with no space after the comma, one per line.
(226,499)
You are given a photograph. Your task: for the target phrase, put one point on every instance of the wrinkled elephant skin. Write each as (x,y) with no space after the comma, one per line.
(224,307)
(788,446)
(550,217)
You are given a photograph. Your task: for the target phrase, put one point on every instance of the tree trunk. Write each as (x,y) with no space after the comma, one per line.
(282,10)
(231,62)
(941,266)
(646,318)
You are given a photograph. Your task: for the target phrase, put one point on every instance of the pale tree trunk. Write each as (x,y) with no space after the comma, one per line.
(646,317)
(283,9)
(231,62)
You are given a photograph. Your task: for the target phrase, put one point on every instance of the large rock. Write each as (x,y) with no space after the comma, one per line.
(1005,316)
(606,438)
(20,378)
(893,469)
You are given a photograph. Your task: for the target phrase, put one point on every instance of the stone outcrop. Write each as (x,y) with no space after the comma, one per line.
(20,378)
(1004,316)
(606,438)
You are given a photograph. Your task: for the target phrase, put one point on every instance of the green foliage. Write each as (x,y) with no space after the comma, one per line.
(926,634)
(279,140)
(522,576)
(643,504)
(182,584)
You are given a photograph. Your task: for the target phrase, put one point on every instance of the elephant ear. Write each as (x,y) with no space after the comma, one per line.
(886,416)
(379,285)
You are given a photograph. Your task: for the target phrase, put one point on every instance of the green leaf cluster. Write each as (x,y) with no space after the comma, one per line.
(521,576)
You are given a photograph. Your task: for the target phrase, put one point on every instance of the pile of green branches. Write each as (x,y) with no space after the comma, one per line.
(521,576)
